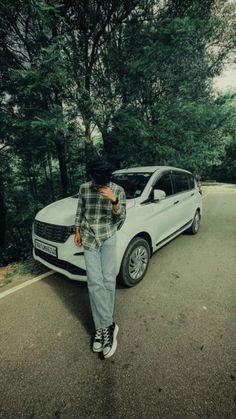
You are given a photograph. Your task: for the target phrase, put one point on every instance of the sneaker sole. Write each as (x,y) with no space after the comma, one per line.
(114,346)
(98,350)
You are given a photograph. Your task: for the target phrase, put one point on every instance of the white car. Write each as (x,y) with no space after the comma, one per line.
(162,202)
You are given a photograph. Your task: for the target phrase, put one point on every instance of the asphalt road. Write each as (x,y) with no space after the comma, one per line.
(176,355)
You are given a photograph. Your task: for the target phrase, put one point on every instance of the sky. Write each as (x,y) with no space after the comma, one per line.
(227,80)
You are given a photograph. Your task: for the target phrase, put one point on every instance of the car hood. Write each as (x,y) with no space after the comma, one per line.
(63,212)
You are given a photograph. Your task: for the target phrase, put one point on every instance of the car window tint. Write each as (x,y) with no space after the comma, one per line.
(181,182)
(164,183)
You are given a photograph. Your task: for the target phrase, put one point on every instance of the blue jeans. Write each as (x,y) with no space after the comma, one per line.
(101,278)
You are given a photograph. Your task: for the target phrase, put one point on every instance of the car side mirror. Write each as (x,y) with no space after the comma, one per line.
(158,195)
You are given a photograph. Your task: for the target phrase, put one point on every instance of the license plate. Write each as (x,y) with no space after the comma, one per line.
(47,248)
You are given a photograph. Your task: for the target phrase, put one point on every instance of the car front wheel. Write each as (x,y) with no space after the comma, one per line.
(135,262)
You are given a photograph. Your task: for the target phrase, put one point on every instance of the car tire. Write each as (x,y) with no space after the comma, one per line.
(135,262)
(193,229)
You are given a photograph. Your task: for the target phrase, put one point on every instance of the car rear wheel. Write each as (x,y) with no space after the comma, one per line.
(135,262)
(195,224)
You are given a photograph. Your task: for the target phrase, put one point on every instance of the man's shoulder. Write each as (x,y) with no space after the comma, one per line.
(85,185)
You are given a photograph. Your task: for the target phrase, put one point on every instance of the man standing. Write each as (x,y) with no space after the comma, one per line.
(101,207)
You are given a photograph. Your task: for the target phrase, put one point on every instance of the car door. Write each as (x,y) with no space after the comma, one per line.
(184,198)
(164,219)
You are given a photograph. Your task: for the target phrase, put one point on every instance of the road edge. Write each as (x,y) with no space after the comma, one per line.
(25,284)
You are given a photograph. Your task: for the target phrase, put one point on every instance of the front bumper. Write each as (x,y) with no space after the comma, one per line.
(70,261)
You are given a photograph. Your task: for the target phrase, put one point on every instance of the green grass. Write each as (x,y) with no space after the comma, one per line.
(26,269)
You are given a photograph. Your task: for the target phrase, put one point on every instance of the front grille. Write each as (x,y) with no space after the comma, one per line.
(52,232)
(63,264)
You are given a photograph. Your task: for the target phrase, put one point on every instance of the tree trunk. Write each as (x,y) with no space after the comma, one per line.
(87,147)
(47,178)
(60,147)
(2,213)
(111,155)
(31,184)
(34,181)
(51,177)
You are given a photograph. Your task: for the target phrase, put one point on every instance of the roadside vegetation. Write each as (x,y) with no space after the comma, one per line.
(129,79)
(16,272)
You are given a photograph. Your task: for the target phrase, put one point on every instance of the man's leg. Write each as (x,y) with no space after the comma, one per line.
(108,264)
(97,291)
(108,258)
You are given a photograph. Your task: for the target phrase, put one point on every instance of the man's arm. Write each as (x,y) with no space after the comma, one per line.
(80,210)
(119,209)
(78,218)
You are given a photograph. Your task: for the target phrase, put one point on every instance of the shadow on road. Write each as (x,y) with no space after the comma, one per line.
(74,295)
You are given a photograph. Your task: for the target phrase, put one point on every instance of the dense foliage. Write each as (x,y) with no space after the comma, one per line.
(130,79)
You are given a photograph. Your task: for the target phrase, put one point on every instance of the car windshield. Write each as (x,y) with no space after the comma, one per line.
(133,183)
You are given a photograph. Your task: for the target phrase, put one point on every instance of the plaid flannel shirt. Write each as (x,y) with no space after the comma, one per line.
(95,214)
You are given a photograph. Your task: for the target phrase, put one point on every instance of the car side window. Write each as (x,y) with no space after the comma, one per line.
(165,184)
(181,182)
(191,182)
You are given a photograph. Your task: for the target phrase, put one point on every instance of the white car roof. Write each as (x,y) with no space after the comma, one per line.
(150,169)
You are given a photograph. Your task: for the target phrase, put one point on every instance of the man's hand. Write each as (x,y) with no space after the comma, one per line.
(77,238)
(107,193)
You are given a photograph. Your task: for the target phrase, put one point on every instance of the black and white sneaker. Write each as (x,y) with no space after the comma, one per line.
(98,341)
(110,340)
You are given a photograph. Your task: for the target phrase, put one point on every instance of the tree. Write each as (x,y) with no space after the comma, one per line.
(34,78)
(168,109)
(90,26)
(225,171)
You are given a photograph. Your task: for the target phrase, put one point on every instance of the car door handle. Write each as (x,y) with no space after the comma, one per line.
(176,202)
(192,194)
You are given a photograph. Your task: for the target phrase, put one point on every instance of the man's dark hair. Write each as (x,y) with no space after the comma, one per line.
(100,170)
